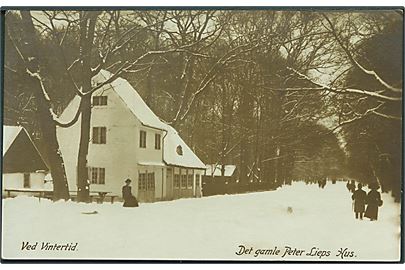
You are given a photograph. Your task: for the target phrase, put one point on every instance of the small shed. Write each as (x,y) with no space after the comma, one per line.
(23,166)
(220,179)
(215,170)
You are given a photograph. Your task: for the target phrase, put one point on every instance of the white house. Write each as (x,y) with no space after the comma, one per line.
(129,141)
(23,167)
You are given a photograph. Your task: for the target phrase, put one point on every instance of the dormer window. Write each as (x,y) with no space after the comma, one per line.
(100,101)
(179,150)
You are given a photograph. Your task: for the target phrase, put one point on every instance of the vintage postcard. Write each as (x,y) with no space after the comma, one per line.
(205,134)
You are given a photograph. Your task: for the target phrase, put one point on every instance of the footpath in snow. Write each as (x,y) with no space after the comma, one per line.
(320,225)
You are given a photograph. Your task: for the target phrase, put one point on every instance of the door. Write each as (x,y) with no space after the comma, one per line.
(169,183)
(27,182)
(150,189)
(146,187)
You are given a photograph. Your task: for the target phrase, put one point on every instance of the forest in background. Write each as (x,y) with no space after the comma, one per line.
(284,95)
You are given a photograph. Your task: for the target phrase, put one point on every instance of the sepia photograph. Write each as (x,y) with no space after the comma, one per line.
(202,134)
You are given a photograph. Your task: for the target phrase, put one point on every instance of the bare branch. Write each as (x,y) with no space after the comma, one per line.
(16,47)
(124,39)
(356,63)
(76,61)
(212,73)
(387,116)
(71,122)
(361,92)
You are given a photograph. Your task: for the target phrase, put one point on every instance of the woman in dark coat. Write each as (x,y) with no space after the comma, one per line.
(129,199)
(373,202)
(359,197)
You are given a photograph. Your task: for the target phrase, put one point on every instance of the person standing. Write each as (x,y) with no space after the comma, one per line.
(360,198)
(129,199)
(373,202)
(348,185)
(351,186)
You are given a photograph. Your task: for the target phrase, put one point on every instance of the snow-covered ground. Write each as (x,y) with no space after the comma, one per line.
(207,228)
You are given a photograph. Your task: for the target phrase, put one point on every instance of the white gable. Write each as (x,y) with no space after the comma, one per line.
(9,135)
(146,116)
(216,170)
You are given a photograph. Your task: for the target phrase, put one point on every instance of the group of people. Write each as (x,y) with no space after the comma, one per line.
(361,199)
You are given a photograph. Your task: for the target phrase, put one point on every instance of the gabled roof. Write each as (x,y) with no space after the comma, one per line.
(147,117)
(215,170)
(9,135)
(131,97)
(19,152)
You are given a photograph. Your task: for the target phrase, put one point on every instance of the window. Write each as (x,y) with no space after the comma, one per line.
(142,139)
(27,180)
(99,135)
(151,181)
(179,150)
(183,181)
(146,181)
(97,175)
(142,182)
(190,179)
(157,141)
(176,180)
(100,101)
(197,180)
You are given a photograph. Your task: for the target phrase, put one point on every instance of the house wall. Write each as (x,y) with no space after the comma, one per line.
(185,192)
(68,139)
(159,192)
(13,180)
(37,180)
(16,181)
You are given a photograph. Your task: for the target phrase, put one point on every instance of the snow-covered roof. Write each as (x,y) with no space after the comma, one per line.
(215,170)
(9,135)
(171,155)
(147,117)
(131,97)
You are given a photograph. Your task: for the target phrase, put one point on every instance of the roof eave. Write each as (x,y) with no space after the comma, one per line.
(148,126)
(185,167)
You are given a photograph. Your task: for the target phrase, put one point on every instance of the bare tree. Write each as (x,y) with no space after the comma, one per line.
(44,108)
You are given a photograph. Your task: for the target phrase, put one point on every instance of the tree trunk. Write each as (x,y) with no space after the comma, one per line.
(87,27)
(245,116)
(150,97)
(43,113)
(83,182)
